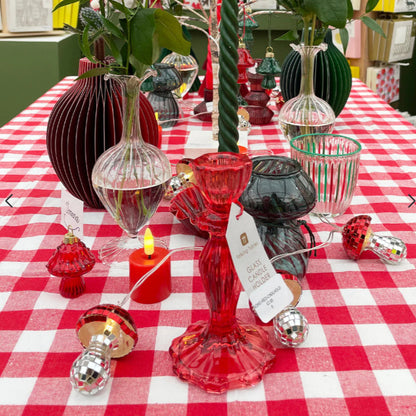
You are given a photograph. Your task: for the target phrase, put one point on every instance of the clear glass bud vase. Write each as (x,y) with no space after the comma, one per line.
(306,113)
(131,177)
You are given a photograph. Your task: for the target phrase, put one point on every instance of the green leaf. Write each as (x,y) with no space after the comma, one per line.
(138,66)
(169,33)
(288,5)
(85,44)
(102,7)
(115,51)
(95,72)
(370,5)
(64,3)
(373,25)
(350,10)
(121,8)
(72,29)
(330,12)
(344,38)
(142,30)
(291,36)
(113,29)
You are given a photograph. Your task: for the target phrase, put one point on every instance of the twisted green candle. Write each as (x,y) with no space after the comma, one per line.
(228,74)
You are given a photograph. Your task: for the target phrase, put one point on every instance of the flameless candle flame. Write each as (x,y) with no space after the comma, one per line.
(148,243)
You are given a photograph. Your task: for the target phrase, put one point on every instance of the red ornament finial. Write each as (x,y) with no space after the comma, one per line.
(357,237)
(70,261)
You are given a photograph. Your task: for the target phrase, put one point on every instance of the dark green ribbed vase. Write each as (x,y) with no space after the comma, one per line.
(332,77)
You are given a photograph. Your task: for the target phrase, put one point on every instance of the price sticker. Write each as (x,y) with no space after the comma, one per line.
(265,288)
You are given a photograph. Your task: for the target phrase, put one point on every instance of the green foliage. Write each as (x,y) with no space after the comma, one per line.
(329,12)
(318,15)
(134,36)
(344,37)
(370,5)
(373,25)
(66,2)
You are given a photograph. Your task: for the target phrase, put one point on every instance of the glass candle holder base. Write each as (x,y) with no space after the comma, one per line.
(218,362)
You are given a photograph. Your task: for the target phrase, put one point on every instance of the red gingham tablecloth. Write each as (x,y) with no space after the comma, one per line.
(359,359)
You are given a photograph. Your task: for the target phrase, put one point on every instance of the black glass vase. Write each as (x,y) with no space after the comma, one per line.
(278,194)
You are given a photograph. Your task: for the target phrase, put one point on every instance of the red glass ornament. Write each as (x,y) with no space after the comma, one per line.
(186,206)
(259,115)
(72,287)
(358,237)
(354,235)
(221,353)
(257,94)
(70,261)
(244,61)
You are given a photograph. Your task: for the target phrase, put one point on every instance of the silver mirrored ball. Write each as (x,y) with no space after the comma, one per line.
(291,327)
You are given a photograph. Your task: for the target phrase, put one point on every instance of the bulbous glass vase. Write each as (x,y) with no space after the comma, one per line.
(131,177)
(278,193)
(306,113)
(166,80)
(187,66)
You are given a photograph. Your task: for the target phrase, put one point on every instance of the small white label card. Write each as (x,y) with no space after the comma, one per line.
(265,288)
(72,213)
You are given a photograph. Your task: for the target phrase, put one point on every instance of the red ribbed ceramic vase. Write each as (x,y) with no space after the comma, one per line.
(86,121)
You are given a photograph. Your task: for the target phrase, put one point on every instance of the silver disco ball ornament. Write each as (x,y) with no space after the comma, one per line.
(105,331)
(291,327)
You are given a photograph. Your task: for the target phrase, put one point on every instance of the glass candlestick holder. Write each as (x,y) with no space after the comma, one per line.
(221,353)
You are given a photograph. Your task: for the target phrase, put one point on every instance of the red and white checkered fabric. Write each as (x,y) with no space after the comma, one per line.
(359,359)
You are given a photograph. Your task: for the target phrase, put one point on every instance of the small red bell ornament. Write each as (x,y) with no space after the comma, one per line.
(358,237)
(71,260)
(244,61)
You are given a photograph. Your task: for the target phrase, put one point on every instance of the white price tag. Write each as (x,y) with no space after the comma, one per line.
(265,288)
(243,138)
(210,106)
(72,210)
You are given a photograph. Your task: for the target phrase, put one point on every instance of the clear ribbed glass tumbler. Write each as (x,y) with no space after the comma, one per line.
(332,161)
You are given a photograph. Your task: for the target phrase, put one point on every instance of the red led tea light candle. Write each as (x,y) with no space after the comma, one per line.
(157,286)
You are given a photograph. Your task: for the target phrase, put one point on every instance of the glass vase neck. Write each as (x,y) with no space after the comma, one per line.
(130,89)
(308,54)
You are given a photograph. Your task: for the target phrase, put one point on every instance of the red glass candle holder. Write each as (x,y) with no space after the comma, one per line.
(221,353)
